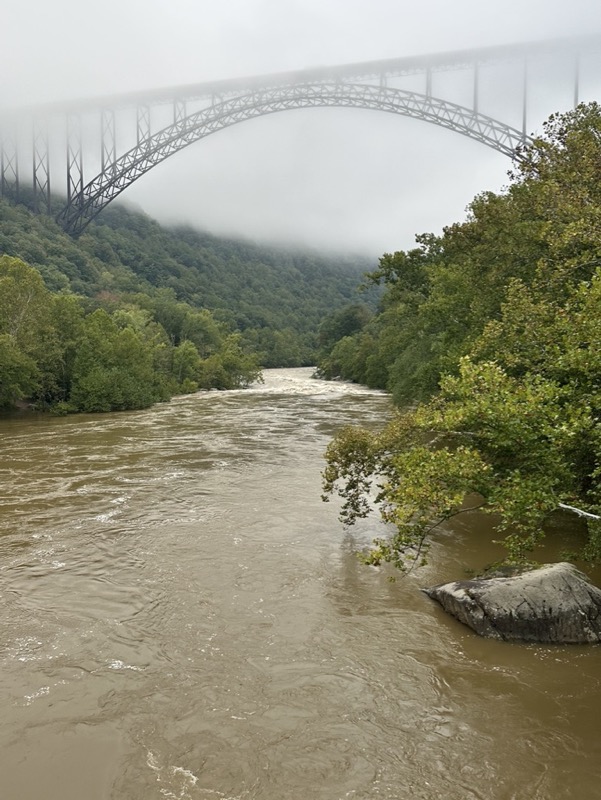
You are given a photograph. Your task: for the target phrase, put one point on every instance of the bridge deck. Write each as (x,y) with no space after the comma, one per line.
(390,67)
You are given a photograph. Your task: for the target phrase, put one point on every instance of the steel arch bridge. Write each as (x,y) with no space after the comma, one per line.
(121,173)
(160,123)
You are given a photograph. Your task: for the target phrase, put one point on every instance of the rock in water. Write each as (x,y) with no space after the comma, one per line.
(555,603)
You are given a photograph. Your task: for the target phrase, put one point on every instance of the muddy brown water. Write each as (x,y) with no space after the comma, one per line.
(181,617)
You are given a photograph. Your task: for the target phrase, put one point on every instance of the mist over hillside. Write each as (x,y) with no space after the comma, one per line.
(275,297)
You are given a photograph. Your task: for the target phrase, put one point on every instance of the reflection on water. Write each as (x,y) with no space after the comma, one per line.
(183,618)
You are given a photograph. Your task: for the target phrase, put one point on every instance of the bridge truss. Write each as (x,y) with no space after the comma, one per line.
(156,124)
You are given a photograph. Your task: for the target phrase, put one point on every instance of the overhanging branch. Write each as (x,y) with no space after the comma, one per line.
(579,511)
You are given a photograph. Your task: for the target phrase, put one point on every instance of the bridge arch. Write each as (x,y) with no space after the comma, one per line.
(121,173)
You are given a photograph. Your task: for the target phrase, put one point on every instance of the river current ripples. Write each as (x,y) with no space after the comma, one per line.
(182,618)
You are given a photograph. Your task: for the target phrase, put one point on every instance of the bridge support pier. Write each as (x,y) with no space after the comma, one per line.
(108,143)
(142,123)
(9,165)
(41,168)
(74,158)
(179,111)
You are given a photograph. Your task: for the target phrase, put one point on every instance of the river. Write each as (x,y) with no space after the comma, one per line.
(182,618)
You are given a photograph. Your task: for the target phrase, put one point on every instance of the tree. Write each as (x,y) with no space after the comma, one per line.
(201,328)
(231,367)
(18,372)
(24,303)
(27,330)
(186,366)
(516,424)
(113,369)
(344,322)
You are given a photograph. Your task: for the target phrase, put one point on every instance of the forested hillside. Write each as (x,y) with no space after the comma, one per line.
(275,297)
(496,327)
(131,313)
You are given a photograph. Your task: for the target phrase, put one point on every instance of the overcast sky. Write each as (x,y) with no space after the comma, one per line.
(341,179)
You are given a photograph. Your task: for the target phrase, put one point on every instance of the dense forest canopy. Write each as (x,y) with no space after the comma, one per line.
(132,313)
(494,330)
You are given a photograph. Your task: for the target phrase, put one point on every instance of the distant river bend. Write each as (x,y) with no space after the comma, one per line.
(181,617)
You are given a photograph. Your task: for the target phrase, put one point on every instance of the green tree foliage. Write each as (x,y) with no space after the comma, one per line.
(25,328)
(67,315)
(337,348)
(19,373)
(186,365)
(276,298)
(55,355)
(345,322)
(515,426)
(231,368)
(181,310)
(113,368)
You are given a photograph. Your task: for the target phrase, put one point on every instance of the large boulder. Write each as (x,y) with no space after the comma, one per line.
(555,603)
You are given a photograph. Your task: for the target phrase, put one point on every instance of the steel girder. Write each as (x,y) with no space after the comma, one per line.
(9,163)
(149,152)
